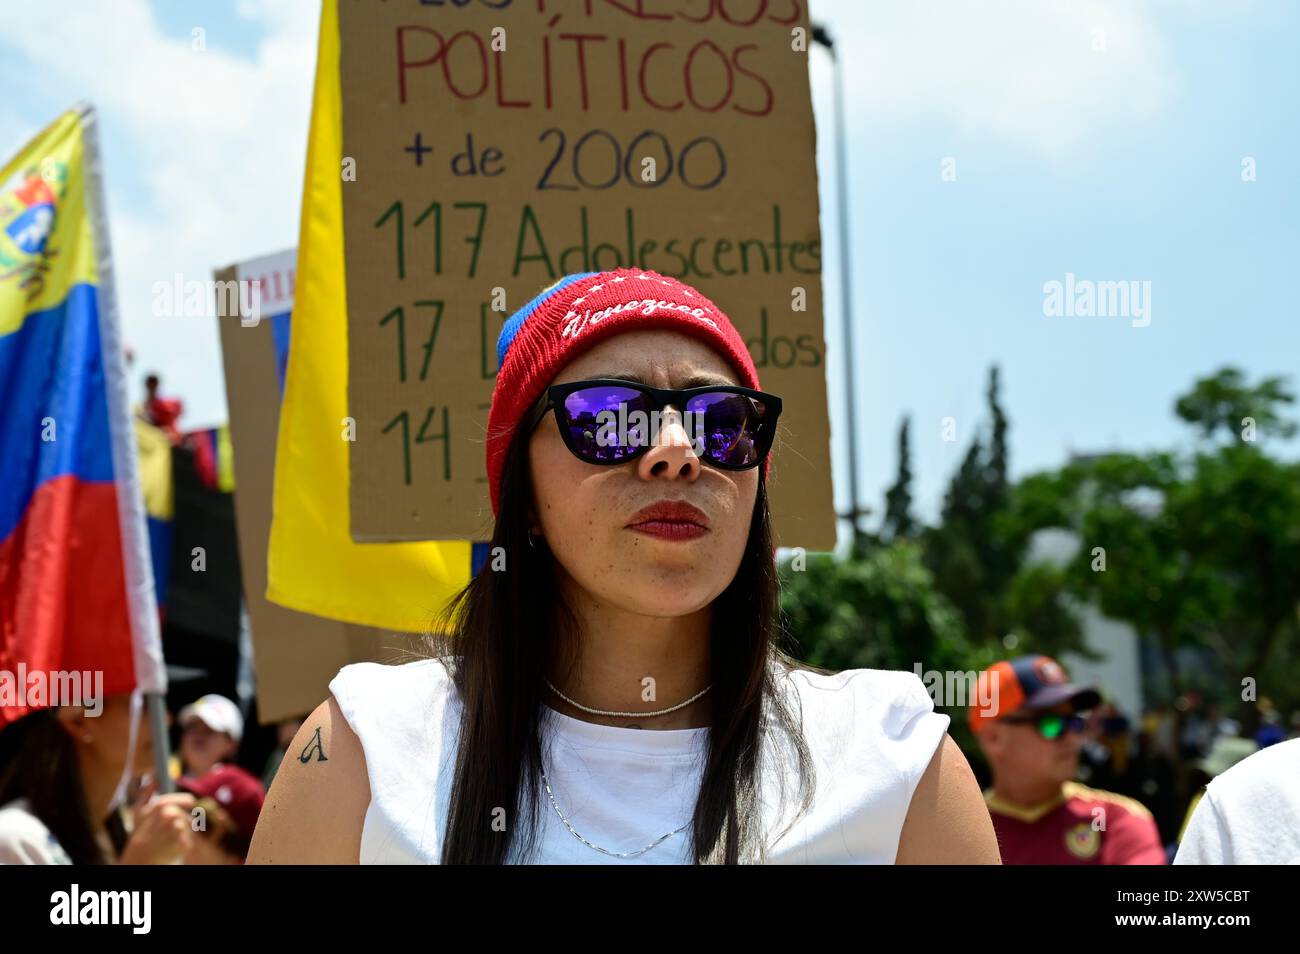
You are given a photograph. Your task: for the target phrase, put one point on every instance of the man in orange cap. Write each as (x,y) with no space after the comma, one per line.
(1031,734)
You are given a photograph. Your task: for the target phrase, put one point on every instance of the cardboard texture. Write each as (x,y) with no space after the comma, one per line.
(295,655)
(487,152)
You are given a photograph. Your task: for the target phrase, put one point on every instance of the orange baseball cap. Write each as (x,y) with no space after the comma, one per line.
(1026,683)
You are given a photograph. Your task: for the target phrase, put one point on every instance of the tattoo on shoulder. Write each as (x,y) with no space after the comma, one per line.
(314,746)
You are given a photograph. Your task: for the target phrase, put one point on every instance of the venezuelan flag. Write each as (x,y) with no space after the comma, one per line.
(155,450)
(75,587)
(212,457)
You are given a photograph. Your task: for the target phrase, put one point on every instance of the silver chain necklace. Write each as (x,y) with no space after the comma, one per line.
(604,851)
(604,712)
(629,715)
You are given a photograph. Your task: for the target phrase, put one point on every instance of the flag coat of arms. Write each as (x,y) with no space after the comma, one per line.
(76,591)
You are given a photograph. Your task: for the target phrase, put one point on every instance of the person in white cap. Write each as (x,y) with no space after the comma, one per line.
(211,727)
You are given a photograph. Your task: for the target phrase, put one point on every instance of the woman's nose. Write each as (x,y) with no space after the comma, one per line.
(673,452)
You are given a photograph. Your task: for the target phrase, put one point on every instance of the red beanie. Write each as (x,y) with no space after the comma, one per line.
(575,314)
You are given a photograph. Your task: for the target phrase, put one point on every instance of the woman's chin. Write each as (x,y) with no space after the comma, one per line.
(663,595)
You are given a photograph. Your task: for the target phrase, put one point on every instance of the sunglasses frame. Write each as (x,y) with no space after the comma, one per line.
(553,399)
(1071,722)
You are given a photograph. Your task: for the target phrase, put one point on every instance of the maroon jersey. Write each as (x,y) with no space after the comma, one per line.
(1081,826)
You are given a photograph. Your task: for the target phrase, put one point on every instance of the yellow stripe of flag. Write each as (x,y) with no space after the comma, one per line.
(225,460)
(155,455)
(42,200)
(313,564)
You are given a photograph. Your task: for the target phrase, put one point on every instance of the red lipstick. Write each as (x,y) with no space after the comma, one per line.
(670,520)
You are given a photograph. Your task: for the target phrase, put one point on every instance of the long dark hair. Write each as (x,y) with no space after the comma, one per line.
(38,762)
(505,631)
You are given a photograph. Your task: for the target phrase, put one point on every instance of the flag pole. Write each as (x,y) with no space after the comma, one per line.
(142,607)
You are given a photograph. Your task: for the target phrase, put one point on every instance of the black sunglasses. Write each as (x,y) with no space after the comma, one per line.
(1051,725)
(612,420)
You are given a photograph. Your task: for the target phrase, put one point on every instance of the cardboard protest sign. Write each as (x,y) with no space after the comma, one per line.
(490,148)
(295,654)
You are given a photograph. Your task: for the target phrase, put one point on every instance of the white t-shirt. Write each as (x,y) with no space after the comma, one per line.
(24,839)
(871,734)
(1249,815)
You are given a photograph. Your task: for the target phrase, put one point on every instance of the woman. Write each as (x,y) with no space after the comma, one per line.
(59,770)
(609,687)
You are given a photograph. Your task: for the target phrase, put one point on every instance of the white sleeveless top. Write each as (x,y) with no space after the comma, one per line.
(871,734)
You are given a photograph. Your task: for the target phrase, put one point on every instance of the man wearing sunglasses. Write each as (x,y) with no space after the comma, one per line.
(1031,734)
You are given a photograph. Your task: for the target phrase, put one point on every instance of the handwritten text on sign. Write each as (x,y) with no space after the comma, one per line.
(491,147)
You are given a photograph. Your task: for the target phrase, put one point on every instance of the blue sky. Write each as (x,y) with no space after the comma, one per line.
(1102,138)
(1113,165)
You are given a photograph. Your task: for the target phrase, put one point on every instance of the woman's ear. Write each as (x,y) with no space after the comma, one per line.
(73,720)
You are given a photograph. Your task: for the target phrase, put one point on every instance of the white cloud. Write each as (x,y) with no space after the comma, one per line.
(218,141)
(1022,70)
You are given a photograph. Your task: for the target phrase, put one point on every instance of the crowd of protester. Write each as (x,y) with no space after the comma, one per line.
(1074,781)
(77,788)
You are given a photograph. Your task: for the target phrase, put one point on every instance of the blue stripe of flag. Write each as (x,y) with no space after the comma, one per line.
(52,384)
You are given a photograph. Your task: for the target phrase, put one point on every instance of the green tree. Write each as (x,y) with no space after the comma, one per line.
(1197,550)
(1224,402)
(880,611)
(977,551)
(997,462)
(899,522)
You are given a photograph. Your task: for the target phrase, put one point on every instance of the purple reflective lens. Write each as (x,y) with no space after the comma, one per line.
(732,428)
(603,424)
(608,424)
